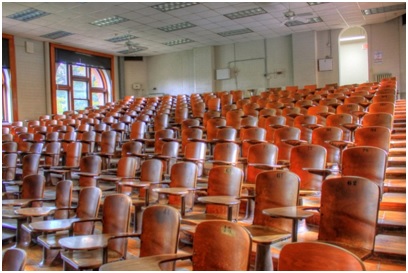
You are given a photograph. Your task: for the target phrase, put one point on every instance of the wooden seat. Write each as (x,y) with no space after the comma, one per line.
(87,207)
(115,220)
(14,259)
(273,189)
(365,161)
(348,214)
(317,256)
(212,251)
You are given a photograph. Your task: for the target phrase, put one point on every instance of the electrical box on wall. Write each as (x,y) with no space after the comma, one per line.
(136,86)
(325,64)
(223,74)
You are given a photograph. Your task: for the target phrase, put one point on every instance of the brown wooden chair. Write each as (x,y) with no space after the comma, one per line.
(9,166)
(349,213)
(321,136)
(87,208)
(365,161)
(195,152)
(261,157)
(108,146)
(376,136)
(378,119)
(317,256)
(273,189)
(382,107)
(250,136)
(115,221)
(89,169)
(281,136)
(51,154)
(338,120)
(168,155)
(308,156)
(306,124)
(14,259)
(212,246)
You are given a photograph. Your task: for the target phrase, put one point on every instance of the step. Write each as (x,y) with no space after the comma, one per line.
(400,125)
(396,161)
(398,130)
(390,246)
(393,201)
(397,152)
(398,143)
(395,172)
(395,185)
(398,137)
(392,220)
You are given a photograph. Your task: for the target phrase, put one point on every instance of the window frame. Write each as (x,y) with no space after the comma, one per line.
(12,88)
(71,78)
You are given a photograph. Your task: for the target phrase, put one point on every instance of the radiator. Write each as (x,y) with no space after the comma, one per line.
(382,76)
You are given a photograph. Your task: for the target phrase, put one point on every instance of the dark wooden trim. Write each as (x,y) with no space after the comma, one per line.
(13,72)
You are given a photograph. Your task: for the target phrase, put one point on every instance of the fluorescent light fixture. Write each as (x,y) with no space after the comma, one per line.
(383,9)
(122,38)
(28,15)
(299,23)
(178,26)
(133,50)
(168,6)
(109,21)
(245,13)
(315,3)
(56,34)
(352,38)
(178,42)
(234,32)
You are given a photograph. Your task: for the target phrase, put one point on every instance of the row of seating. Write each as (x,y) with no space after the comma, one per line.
(135,160)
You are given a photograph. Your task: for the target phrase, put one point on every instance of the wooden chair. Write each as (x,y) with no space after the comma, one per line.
(317,256)
(168,155)
(382,107)
(51,154)
(14,259)
(348,214)
(261,157)
(365,161)
(87,208)
(115,220)
(306,124)
(338,120)
(250,136)
(9,166)
(321,136)
(273,189)
(108,146)
(89,169)
(376,136)
(308,156)
(195,152)
(378,119)
(212,246)
(280,137)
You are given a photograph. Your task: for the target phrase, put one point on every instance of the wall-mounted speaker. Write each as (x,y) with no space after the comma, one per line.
(29,47)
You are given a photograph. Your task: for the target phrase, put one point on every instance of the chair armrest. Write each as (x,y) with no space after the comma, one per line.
(222,162)
(82,220)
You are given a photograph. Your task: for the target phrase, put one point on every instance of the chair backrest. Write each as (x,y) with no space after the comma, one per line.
(261,153)
(224,180)
(165,133)
(317,256)
(226,132)
(226,151)
(376,136)
(116,219)
(275,189)
(63,198)
(52,152)
(160,232)
(212,126)
(378,119)
(31,163)
(89,164)
(308,156)
(183,174)
(348,108)
(282,134)
(221,246)
(190,133)
(9,164)
(365,161)
(108,142)
(88,207)
(14,259)
(9,146)
(327,133)
(33,187)
(74,154)
(349,213)
(381,107)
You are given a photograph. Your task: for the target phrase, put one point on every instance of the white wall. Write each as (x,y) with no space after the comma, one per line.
(327,46)
(31,79)
(135,72)
(304,58)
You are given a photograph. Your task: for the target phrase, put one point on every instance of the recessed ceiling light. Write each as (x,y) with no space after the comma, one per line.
(299,23)
(179,42)
(168,6)
(245,13)
(56,34)
(383,9)
(178,26)
(234,32)
(122,38)
(109,21)
(28,15)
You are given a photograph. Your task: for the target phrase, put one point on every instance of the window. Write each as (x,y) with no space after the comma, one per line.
(78,83)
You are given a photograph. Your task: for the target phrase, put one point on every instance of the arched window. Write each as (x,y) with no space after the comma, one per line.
(80,82)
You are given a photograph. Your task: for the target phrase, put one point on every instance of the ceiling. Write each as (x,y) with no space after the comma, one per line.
(207,19)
